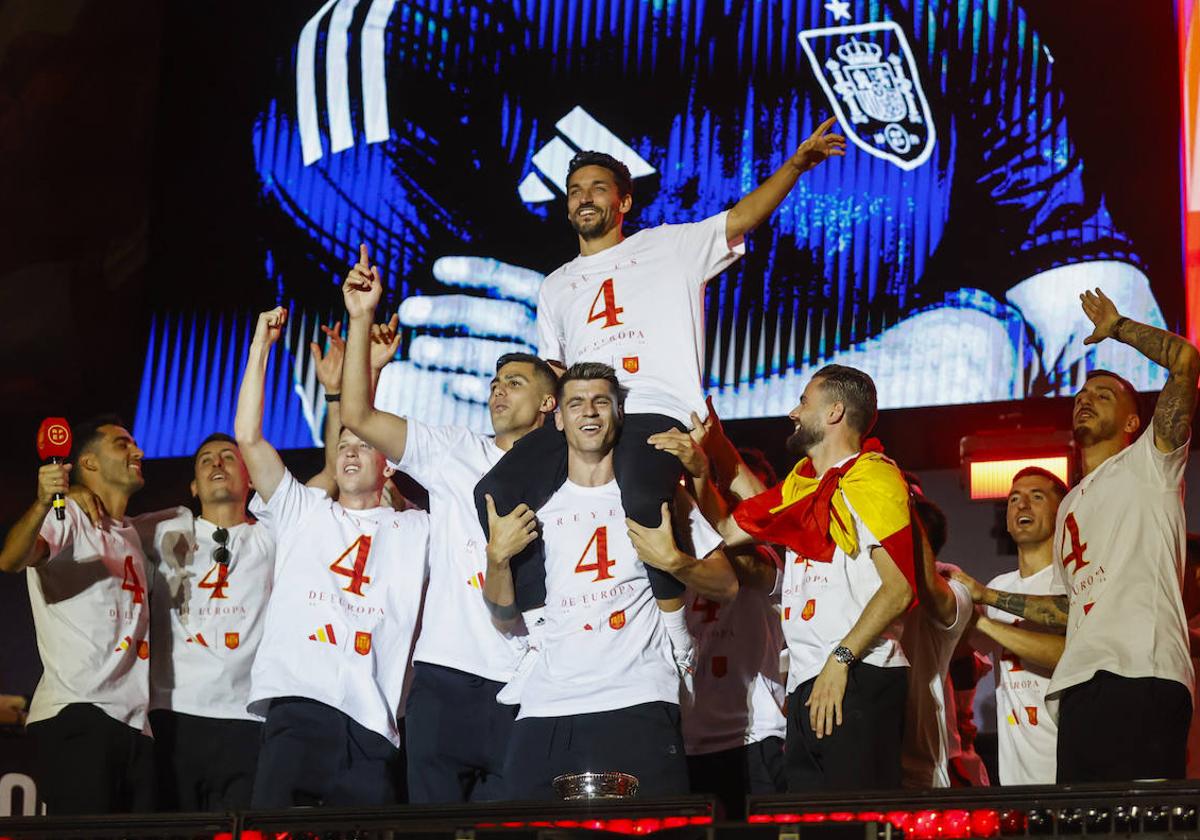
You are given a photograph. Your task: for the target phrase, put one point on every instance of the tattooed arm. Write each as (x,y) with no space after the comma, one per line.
(1050,610)
(1177,402)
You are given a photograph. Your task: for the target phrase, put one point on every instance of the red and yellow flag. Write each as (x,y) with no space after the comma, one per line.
(811,515)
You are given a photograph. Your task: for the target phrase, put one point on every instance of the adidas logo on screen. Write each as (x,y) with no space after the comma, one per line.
(584,132)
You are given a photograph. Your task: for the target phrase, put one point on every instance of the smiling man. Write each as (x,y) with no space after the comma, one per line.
(88,586)
(208,602)
(457,732)
(637,304)
(603,693)
(1024,656)
(330,671)
(1124,683)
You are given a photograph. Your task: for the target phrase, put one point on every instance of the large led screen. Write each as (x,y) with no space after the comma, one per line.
(944,253)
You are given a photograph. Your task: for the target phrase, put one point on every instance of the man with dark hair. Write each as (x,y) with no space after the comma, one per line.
(1024,654)
(843,513)
(208,602)
(88,586)
(931,635)
(1119,549)
(635,304)
(620,172)
(603,692)
(457,732)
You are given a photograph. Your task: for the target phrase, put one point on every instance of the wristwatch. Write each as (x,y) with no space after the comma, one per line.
(332,398)
(844,655)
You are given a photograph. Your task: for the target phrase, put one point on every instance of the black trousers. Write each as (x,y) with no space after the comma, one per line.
(861,754)
(89,763)
(313,754)
(456,736)
(204,764)
(732,775)
(1115,729)
(536,467)
(643,740)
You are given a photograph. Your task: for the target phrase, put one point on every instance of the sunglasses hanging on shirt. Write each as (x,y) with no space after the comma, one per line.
(220,554)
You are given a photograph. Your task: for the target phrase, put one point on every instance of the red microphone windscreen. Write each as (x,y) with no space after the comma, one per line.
(54,438)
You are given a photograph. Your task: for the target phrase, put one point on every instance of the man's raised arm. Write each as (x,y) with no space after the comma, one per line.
(934,593)
(755,208)
(262,461)
(385,431)
(716,470)
(1177,402)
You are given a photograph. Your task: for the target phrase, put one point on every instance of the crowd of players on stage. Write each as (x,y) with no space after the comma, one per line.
(605,582)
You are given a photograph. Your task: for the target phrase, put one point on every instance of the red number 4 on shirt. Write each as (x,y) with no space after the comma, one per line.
(610,311)
(602,563)
(131,582)
(361,548)
(218,586)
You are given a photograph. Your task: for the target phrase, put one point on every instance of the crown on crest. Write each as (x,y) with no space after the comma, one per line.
(859,52)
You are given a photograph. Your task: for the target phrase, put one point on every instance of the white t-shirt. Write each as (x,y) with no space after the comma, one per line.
(1119,548)
(206,620)
(605,644)
(344,605)
(738,691)
(91,610)
(931,717)
(639,306)
(1026,732)
(456,627)
(823,601)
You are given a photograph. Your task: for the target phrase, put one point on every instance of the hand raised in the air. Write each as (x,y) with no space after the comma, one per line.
(819,147)
(270,326)
(328,365)
(363,286)
(385,341)
(1102,312)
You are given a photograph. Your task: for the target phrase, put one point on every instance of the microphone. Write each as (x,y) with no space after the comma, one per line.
(54,446)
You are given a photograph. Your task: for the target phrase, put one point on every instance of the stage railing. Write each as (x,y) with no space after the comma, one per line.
(1149,810)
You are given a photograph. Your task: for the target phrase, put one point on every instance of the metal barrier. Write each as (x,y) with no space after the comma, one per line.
(1149,810)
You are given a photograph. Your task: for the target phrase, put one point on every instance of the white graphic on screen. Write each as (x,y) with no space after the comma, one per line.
(585,133)
(337,78)
(878,98)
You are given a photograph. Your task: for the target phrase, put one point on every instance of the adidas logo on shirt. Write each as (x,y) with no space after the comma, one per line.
(324,634)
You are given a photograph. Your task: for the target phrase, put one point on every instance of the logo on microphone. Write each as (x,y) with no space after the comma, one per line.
(58,434)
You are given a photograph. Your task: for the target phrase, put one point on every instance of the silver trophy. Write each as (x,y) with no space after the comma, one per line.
(607,785)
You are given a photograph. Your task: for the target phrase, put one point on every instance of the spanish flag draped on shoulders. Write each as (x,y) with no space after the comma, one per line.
(810,514)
